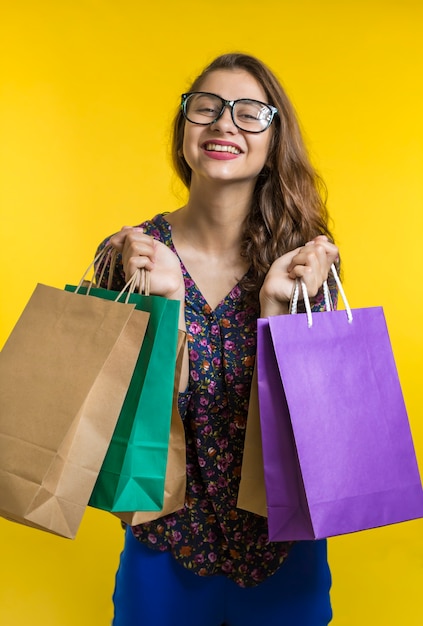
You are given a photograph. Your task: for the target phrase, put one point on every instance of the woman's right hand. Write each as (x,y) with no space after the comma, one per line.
(140,251)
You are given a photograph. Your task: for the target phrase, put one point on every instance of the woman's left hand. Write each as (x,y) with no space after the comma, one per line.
(310,263)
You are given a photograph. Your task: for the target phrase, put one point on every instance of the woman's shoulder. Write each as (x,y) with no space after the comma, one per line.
(157,227)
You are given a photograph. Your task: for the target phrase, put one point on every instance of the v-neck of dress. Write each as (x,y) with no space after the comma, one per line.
(224,300)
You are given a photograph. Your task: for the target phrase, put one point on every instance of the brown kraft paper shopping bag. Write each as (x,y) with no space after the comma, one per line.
(175,481)
(252,492)
(64,372)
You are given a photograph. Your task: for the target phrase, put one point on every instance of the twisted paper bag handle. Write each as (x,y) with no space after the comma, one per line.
(140,276)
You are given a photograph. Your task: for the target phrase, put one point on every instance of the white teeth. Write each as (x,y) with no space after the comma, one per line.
(219,148)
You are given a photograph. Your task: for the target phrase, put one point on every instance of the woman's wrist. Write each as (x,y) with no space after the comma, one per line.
(269,308)
(275,295)
(175,289)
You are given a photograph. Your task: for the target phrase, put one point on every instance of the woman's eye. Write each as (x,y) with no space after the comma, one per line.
(208,111)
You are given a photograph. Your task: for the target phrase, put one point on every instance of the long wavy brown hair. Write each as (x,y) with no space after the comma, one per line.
(289,201)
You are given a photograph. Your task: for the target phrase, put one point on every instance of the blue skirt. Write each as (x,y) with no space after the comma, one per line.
(153,589)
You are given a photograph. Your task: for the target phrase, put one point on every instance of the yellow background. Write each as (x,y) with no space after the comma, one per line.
(87,92)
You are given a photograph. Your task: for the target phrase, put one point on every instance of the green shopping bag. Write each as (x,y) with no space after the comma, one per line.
(132,476)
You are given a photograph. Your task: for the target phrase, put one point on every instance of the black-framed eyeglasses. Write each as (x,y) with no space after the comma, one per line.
(204,108)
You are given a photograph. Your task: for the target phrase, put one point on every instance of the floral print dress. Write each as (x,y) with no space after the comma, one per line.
(210,535)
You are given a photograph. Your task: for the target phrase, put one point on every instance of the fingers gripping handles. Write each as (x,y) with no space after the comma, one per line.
(328,301)
(107,256)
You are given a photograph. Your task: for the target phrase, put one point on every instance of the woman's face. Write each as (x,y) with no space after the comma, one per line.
(221,151)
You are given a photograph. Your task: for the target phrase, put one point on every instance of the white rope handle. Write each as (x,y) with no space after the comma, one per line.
(342,292)
(327,296)
(326,292)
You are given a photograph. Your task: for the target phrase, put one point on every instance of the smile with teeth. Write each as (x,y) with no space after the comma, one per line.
(216,147)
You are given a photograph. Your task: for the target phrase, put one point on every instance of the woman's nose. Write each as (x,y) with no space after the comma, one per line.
(225,121)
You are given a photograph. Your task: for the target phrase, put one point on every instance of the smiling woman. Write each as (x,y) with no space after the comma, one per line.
(230,255)
(217,116)
(87,90)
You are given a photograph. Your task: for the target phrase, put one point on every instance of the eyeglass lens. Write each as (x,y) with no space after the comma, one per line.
(248,115)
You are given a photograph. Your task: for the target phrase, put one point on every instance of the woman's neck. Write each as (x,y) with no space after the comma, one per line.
(207,234)
(215,217)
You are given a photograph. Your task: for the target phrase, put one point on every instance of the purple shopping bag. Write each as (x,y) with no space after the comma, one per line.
(337,447)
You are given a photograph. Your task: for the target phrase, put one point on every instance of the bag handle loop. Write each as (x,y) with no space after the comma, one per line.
(140,276)
(326,292)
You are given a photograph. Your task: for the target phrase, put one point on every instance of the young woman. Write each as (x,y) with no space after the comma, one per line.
(254,222)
